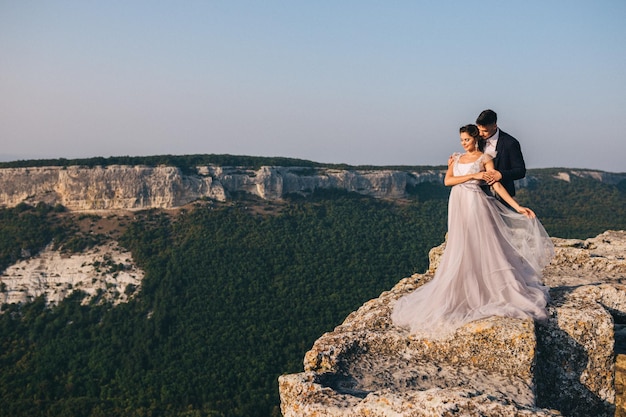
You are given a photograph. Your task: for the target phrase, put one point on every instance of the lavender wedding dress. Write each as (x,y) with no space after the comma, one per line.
(491,265)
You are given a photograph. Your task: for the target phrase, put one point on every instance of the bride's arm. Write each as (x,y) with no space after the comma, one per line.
(454,180)
(504,194)
(451,179)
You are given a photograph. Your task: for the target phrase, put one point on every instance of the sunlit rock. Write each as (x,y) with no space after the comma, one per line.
(497,366)
(105,271)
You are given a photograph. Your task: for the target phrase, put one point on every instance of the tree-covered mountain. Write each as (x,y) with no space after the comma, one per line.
(580,207)
(189,162)
(234,294)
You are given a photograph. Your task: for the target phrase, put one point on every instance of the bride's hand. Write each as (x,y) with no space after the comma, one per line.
(492,176)
(480,176)
(526,212)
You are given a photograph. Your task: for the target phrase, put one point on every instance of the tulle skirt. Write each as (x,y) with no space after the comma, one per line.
(491,266)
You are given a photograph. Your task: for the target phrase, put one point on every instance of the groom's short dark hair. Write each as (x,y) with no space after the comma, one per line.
(487,117)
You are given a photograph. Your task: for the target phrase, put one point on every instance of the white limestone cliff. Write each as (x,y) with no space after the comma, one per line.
(565,365)
(105,188)
(141,187)
(105,271)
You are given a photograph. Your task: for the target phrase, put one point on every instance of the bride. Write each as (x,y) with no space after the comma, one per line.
(493,258)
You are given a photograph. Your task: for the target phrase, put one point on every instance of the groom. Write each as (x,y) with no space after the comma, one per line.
(508,161)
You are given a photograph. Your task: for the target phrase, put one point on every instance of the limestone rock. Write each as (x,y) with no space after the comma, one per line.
(104,270)
(142,187)
(105,188)
(620,386)
(497,366)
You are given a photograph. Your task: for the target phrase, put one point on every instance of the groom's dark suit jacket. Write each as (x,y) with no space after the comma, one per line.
(509,161)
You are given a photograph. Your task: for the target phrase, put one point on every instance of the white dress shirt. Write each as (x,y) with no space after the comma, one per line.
(490,144)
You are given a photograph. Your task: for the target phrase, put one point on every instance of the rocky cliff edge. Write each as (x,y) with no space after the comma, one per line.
(569,364)
(115,187)
(141,187)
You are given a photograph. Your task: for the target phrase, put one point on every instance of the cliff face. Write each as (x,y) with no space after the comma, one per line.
(273,183)
(142,187)
(492,367)
(105,188)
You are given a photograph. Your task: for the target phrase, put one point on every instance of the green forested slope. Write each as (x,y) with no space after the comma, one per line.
(188,163)
(234,295)
(580,208)
(230,301)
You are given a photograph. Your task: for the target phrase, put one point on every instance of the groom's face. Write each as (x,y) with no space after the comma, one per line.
(487,131)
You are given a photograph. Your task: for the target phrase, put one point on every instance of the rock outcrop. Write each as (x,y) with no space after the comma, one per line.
(141,187)
(498,366)
(105,188)
(105,271)
(272,183)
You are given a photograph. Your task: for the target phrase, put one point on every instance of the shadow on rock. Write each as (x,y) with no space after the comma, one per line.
(562,377)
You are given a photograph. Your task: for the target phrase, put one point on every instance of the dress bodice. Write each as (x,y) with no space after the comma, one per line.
(460,168)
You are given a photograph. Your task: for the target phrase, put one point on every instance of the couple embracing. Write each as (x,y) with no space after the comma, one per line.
(496,249)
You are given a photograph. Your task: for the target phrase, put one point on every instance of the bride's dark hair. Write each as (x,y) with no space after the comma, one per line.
(472,130)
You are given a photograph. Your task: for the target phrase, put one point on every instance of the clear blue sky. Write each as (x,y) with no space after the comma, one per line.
(341,81)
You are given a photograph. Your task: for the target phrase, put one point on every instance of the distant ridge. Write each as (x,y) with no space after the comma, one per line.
(167,181)
(248,161)
(185,161)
